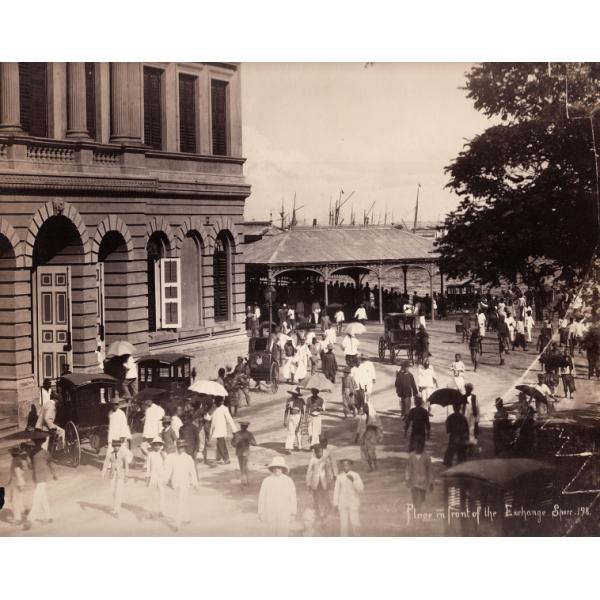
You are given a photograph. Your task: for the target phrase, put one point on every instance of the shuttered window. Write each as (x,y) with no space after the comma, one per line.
(221,278)
(33,96)
(218,99)
(187,113)
(90,98)
(170,291)
(152,108)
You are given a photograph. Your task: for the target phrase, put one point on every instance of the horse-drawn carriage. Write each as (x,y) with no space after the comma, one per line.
(82,411)
(399,336)
(263,363)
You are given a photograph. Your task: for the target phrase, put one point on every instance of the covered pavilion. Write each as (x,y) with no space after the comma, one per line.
(353,251)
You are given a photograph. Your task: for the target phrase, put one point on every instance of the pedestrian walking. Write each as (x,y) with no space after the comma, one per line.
(346,498)
(369,433)
(426,381)
(329,364)
(153,415)
(294,411)
(241,441)
(474,347)
(118,428)
(15,489)
(221,422)
(42,469)
(567,374)
(116,463)
(406,388)
(418,475)
(277,504)
(529,323)
(350,347)
(457,368)
(168,435)
(339,318)
(457,428)
(360,314)
(502,430)
(349,389)
(417,421)
(320,478)
(481,322)
(315,425)
(156,476)
(190,432)
(182,475)
(470,409)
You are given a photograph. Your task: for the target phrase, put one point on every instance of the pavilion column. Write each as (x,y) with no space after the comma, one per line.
(432,268)
(404,272)
(326,283)
(270,299)
(76,101)
(380,296)
(10,109)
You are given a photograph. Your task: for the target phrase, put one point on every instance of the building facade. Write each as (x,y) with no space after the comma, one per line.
(121,201)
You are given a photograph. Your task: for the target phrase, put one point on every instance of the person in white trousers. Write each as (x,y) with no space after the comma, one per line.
(155,475)
(42,468)
(117,463)
(346,497)
(182,474)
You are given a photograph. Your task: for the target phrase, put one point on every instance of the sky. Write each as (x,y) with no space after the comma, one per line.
(379,130)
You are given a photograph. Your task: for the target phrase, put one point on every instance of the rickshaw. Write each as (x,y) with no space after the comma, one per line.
(263,364)
(165,378)
(500,497)
(398,336)
(82,411)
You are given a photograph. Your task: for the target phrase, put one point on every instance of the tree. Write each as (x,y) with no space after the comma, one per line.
(528,182)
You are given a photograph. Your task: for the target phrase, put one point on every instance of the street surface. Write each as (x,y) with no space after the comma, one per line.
(81,500)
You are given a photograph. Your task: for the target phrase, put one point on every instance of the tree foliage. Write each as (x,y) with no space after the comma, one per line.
(527,183)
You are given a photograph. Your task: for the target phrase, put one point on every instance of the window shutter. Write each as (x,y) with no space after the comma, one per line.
(221,282)
(33,96)
(152,108)
(90,98)
(219,117)
(170,293)
(187,113)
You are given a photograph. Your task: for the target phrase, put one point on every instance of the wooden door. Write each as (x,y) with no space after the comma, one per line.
(52,321)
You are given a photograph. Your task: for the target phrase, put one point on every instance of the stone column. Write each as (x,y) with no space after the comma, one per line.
(134,93)
(10,115)
(119,103)
(76,101)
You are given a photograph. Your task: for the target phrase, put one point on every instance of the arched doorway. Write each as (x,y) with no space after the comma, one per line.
(57,255)
(111,273)
(222,274)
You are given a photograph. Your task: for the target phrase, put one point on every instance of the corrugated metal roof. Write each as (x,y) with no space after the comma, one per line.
(324,245)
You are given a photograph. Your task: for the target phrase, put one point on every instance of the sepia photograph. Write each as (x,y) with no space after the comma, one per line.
(299,299)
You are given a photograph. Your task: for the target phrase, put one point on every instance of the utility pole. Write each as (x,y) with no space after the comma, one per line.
(416,208)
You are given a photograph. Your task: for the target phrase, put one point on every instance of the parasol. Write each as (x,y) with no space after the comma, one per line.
(356,328)
(28,434)
(446,397)
(318,382)
(120,348)
(529,390)
(208,388)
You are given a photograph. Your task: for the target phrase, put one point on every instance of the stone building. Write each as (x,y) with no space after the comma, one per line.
(121,201)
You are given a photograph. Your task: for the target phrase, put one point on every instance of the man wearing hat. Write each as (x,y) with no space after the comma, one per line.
(168,435)
(277,503)
(118,429)
(294,411)
(156,475)
(320,479)
(182,475)
(406,387)
(152,423)
(220,424)
(349,389)
(346,497)
(329,364)
(241,441)
(117,462)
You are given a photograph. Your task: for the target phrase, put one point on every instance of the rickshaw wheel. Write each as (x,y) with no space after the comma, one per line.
(274,379)
(392,354)
(72,445)
(381,348)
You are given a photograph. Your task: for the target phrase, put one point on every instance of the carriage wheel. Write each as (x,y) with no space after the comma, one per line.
(392,354)
(72,445)
(274,379)
(381,348)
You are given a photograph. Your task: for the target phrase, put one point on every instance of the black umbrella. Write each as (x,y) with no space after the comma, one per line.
(529,390)
(28,434)
(446,397)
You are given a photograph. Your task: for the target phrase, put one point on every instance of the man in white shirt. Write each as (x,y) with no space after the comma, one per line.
(361,314)
(291,314)
(339,320)
(182,474)
(45,421)
(457,369)
(481,322)
(330,337)
(152,424)
(350,347)
(130,385)
(220,421)
(118,429)
(46,391)
(529,323)
(346,497)
(426,382)
(366,375)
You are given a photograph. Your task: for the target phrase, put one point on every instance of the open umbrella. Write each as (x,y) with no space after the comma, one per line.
(27,434)
(356,328)
(318,382)
(529,390)
(209,388)
(120,348)
(446,397)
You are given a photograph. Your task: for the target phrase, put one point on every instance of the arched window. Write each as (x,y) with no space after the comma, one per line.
(222,277)
(191,281)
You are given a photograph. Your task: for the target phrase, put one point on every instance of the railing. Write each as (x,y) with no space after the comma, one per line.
(56,154)
(103,157)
